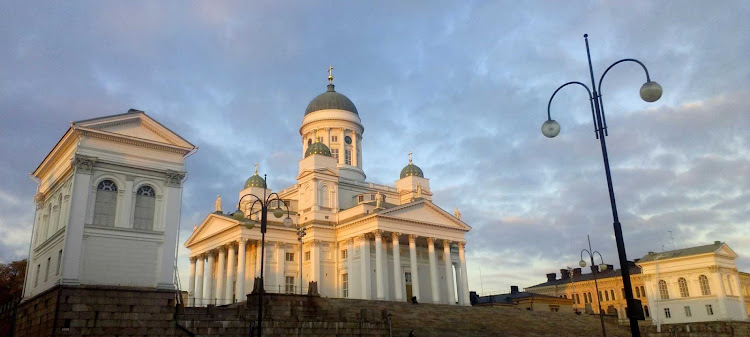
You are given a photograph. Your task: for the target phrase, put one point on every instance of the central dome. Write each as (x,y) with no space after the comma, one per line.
(331,100)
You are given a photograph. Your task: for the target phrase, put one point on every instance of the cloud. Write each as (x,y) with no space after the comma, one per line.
(462,85)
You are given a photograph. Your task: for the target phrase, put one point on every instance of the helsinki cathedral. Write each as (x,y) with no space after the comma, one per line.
(352,238)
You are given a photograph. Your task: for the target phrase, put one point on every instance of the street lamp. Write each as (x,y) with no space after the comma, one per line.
(264,203)
(300,234)
(650,92)
(602,267)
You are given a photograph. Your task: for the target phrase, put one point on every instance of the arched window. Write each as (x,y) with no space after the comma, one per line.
(683,287)
(145,200)
(612,292)
(705,289)
(663,291)
(606,295)
(106,203)
(578,299)
(643,291)
(637,292)
(600,296)
(324,197)
(645,310)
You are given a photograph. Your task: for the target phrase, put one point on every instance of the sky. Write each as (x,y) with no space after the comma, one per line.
(462,84)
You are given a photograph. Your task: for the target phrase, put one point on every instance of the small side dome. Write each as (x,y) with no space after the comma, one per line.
(318,148)
(411,170)
(255,180)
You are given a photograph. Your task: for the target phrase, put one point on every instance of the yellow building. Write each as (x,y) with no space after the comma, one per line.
(582,289)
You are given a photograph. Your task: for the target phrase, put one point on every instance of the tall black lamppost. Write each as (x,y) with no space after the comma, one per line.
(650,92)
(594,271)
(300,234)
(264,203)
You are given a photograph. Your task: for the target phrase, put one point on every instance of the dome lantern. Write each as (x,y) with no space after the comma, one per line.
(255,180)
(411,170)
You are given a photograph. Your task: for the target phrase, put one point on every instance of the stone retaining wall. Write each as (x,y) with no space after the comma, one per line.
(702,329)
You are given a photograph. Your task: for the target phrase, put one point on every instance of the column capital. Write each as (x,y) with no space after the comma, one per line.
(242,241)
(363,236)
(314,243)
(447,243)
(193,259)
(461,244)
(211,253)
(413,238)
(378,233)
(84,164)
(430,241)
(395,236)
(349,241)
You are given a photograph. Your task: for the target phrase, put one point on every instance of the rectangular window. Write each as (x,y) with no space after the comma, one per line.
(360,198)
(344,253)
(335,154)
(348,157)
(46,270)
(59,262)
(334,139)
(407,277)
(289,257)
(709,310)
(667,314)
(345,285)
(687,312)
(289,285)
(307,255)
(36,276)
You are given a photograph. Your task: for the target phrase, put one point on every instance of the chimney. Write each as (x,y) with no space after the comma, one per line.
(564,274)
(717,242)
(514,289)
(576,271)
(550,277)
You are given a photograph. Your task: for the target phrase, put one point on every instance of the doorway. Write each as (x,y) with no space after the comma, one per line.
(407,279)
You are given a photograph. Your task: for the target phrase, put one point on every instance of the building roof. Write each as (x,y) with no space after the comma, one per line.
(331,100)
(587,277)
(651,256)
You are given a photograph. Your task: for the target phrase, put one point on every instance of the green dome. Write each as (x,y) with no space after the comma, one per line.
(318,148)
(255,181)
(411,170)
(331,100)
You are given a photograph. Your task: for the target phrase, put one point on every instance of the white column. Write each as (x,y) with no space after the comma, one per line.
(379,293)
(315,257)
(464,277)
(721,295)
(208,284)
(433,271)
(229,280)
(280,265)
(736,277)
(191,283)
(171,216)
(342,144)
(364,256)
(241,270)
(398,288)
(450,297)
(328,137)
(221,276)
(125,217)
(414,267)
(386,275)
(199,283)
(355,151)
(459,285)
(354,288)
(249,268)
(79,195)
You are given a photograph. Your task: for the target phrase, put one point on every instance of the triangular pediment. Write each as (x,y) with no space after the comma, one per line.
(137,125)
(726,251)
(211,225)
(425,211)
(326,171)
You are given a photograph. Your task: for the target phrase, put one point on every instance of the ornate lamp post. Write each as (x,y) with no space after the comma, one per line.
(650,92)
(264,203)
(300,234)
(594,271)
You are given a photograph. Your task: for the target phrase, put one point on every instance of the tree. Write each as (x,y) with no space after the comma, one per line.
(12,276)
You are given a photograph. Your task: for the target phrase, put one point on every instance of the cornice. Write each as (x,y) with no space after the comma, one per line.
(114,137)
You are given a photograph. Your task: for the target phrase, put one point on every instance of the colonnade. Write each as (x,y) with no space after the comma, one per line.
(364,287)
(202,289)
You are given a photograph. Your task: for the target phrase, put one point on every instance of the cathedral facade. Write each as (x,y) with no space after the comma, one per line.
(354,238)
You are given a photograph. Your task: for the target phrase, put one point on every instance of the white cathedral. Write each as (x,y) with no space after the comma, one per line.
(354,238)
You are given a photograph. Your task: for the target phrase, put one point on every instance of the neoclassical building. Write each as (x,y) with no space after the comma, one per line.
(108,205)
(363,240)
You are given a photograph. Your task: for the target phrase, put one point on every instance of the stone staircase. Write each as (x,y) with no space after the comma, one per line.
(294,315)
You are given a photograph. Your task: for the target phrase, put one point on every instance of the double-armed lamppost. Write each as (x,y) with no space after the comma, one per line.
(602,267)
(264,203)
(650,92)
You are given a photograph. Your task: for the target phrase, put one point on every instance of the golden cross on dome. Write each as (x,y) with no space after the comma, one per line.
(330,74)
(409,157)
(256,168)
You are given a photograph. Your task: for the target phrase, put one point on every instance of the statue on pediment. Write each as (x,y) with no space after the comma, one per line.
(217,204)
